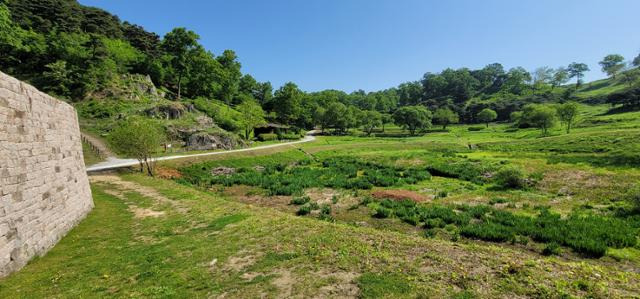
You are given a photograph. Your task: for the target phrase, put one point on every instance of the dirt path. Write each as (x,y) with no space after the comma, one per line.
(123,186)
(113,163)
(99,144)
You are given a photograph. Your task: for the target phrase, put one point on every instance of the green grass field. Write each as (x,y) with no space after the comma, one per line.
(398,217)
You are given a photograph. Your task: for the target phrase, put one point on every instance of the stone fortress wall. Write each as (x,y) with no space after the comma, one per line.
(44,189)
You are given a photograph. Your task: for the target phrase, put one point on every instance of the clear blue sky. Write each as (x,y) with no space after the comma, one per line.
(377,44)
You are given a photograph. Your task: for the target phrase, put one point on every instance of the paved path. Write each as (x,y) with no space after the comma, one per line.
(113,163)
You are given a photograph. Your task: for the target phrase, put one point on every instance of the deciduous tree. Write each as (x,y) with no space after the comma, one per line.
(139,138)
(369,120)
(540,116)
(251,115)
(577,70)
(413,118)
(487,115)
(567,113)
(612,64)
(180,44)
(444,117)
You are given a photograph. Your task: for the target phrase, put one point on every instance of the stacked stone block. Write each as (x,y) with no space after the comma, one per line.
(44,189)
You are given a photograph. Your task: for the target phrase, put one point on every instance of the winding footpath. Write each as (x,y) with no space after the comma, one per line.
(114,163)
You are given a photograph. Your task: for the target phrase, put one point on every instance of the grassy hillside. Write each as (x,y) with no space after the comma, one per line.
(371,217)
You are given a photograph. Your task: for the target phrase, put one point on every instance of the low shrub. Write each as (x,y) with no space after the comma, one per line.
(382,212)
(475,171)
(589,235)
(476,128)
(325,213)
(551,249)
(304,210)
(300,200)
(510,177)
(267,137)
(497,200)
(288,136)
(337,172)
(633,197)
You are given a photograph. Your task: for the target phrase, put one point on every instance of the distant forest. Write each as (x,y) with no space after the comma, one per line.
(79,53)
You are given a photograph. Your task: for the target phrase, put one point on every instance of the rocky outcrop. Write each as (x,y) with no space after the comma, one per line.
(210,141)
(173,110)
(131,87)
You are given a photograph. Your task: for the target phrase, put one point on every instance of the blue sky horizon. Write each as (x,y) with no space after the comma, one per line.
(375,45)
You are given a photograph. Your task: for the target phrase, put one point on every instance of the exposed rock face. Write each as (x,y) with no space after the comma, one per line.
(44,190)
(210,141)
(167,111)
(132,87)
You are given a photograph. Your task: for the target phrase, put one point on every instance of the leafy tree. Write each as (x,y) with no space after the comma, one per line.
(560,77)
(320,118)
(229,76)
(577,70)
(410,93)
(612,64)
(413,118)
(636,61)
(370,120)
(22,50)
(540,116)
(515,116)
(444,117)
(386,118)
(146,42)
(516,81)
(567,113)
(337,116)
(543,75)
(287,103)
(58,77)
(139,138)
(487,115)
(202,79)
(122,53)
(180,44)
(630,76)
(490,78)
(251,115)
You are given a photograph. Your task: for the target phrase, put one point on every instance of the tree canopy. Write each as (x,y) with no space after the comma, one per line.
(612,64)
(487,115)
(413,118)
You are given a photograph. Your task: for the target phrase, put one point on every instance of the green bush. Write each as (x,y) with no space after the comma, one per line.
(339,172)
(551,249)
(497,200)
(267,137)
(633,197)
(475,128)
(304,210)
(288,136)
(300,200)
(382,212)
(588,235)
(462,168)
(510,177)
(325,213)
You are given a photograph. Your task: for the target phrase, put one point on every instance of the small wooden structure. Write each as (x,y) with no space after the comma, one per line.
(271,128)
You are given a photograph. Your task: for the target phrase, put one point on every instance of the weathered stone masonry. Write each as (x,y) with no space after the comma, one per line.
(44,189)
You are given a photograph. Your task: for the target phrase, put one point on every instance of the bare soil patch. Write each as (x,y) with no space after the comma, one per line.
(241,261)
(168,173)
(400,195)
(144,213)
